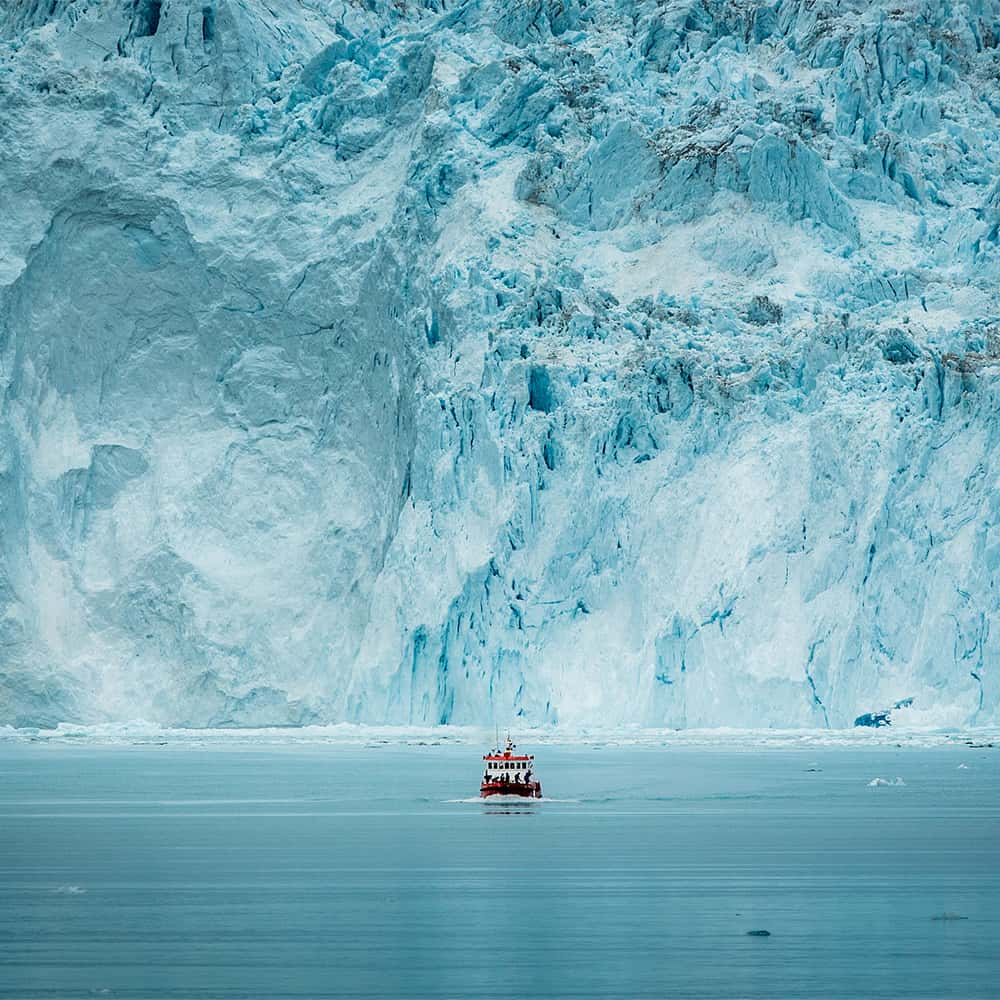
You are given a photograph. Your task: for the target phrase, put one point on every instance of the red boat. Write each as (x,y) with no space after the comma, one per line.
(510,773)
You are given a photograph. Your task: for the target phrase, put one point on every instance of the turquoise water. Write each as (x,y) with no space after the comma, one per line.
(325,871)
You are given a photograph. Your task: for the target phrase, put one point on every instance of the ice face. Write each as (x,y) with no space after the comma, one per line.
(570,363)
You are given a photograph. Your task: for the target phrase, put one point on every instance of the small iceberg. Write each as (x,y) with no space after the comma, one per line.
(886,783)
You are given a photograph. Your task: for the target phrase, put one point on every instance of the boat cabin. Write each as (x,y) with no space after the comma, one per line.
(506,766)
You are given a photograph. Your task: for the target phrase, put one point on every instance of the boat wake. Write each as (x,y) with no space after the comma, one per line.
(506,800)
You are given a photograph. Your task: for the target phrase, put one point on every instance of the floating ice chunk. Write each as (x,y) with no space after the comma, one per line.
(886,783)
(69,890)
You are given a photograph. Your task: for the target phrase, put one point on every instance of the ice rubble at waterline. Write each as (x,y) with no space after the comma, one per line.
(571,363)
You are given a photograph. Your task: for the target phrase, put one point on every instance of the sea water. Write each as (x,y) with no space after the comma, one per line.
(373,871)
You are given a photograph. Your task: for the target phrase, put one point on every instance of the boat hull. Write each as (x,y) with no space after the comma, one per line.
(523,790)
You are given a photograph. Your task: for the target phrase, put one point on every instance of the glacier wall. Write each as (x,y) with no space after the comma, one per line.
(564,362)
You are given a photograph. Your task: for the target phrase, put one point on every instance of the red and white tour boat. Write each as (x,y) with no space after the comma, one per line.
(510,773)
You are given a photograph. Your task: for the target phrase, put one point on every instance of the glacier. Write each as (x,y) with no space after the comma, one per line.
(556,362)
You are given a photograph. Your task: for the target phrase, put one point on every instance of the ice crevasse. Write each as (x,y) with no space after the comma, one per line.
(560,362)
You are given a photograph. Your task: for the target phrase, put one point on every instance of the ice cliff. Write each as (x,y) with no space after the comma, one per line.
(554,361)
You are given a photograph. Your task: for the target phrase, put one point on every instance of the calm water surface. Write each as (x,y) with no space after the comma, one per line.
(327,871)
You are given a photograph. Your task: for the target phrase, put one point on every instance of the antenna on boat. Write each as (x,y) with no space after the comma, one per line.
(496,726)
